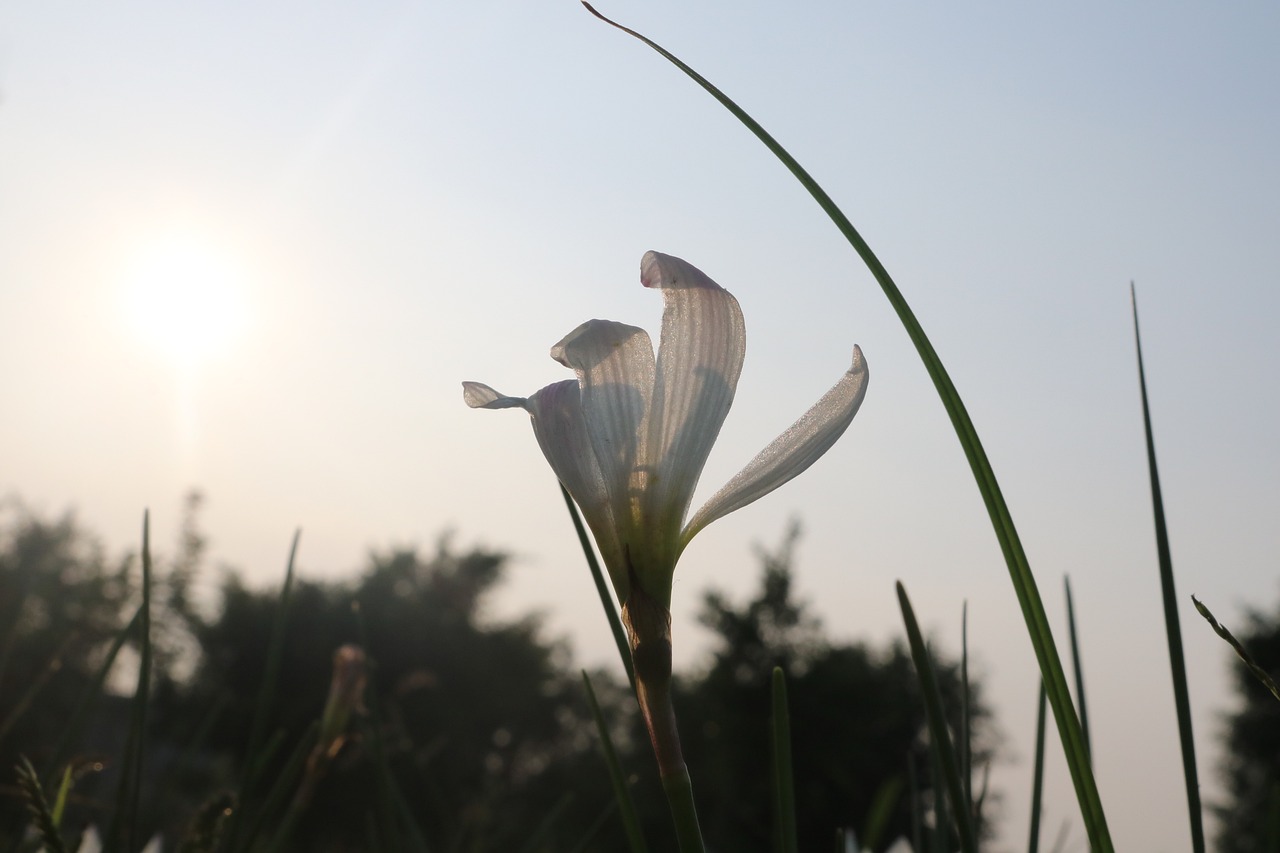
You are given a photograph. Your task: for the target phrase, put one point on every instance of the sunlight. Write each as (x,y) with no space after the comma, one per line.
(186,299)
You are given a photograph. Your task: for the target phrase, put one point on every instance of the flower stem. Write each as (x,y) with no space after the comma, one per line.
(648,624)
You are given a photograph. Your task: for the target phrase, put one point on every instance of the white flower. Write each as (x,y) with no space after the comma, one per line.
(629,437)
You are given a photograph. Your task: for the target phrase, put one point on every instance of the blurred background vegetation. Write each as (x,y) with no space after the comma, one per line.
(476,729)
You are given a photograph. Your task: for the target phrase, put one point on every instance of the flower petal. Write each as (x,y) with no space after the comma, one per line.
(699,361)
(561,431)
(477,395)
(792,452)
(615,366)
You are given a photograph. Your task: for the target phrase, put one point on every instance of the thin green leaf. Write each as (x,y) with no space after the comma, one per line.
(1172,625)
(271,811)
(60,801)
(1077,665)
(1037,778)
(1015,558)
(89,697)
(1258,672)
(388,810)
(621,793)
(123,832)
(784,794)
(543,830)
(937,724)
(259,726)
(37,684)
(594,828)
(881,812)
(966,747)
(602,587)
(917,807)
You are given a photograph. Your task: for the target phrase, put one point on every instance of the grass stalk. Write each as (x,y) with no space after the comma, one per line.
(621,793)
(784,794)
(1173,628)
(966,733)
(1077,665)
(1024,583)
(602,587)
(266,696)
(122,834)
(946,754)
(1037,776)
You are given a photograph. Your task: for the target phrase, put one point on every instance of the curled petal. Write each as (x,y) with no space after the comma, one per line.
(615,365)
(477,395)
(792,452)
(699,360)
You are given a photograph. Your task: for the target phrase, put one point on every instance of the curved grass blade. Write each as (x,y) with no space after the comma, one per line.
(784,794)
(1037,779)
(1173,628)
(946,754)
(1024,583)
(621,793)
(1258,672)
(1077,665)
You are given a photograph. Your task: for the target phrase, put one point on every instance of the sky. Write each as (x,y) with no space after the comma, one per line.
(366,204)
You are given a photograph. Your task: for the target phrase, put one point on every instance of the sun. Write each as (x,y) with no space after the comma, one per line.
(186,299)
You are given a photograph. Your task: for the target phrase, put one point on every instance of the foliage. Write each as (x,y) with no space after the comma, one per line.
(472,734)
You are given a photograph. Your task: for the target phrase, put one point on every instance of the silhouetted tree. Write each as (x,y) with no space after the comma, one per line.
(484,728)
(1250,816)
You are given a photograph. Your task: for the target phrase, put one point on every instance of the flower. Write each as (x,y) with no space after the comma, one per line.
(629,437)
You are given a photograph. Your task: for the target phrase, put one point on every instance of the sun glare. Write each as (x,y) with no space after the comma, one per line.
(186,299)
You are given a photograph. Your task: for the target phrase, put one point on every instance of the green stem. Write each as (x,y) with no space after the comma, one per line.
(679,791)
(648,624)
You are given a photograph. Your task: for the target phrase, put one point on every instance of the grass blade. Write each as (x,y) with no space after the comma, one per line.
(882,805)
(266,696)
(89,697)
(602,587)
(1173,628)
(1024,583)
(784,794)
(966,747)
(1077,665)
(122,834)
(1037,779)
(946,754)
(621,793)
(1258,672)
(542,831)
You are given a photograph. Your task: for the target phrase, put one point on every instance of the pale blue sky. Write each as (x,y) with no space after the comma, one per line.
(414,194)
